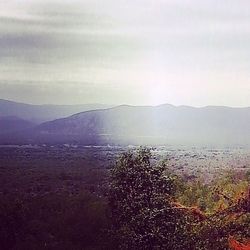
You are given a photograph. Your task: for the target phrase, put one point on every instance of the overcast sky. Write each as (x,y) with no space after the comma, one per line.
(139,52)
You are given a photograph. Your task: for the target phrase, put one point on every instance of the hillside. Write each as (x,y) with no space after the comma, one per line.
(43,113)
(12,123)
(165,124)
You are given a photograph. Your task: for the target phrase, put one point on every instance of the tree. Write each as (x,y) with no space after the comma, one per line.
(141,203)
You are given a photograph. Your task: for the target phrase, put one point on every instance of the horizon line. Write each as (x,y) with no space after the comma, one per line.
(125,104)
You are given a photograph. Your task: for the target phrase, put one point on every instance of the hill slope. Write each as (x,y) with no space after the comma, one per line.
(12,124)
(43,113)
(163,124)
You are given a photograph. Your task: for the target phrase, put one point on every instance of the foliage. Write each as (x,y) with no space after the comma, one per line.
(235,245)
(212,197)
(229,218)
(141,204)
(152,209)
(53,222)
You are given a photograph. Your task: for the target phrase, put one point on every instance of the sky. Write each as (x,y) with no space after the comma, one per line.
(138,52)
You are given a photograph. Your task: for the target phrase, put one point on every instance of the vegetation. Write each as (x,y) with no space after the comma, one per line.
(138,204)
(53,222)
(147,212)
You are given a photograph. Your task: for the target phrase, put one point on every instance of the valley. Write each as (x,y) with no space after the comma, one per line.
(72,167)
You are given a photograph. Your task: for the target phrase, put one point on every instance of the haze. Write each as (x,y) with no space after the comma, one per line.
(135,52)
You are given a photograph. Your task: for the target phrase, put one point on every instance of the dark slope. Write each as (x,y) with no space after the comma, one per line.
(42,113)
(10,124)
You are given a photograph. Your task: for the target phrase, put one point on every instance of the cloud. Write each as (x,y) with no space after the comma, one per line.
(125,43)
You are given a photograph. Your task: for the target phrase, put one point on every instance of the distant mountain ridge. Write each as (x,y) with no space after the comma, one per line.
(159,125)
(10,124)
(43,113)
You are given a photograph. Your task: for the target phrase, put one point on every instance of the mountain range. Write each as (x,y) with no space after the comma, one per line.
(140,125)
(12,123)
(42,113)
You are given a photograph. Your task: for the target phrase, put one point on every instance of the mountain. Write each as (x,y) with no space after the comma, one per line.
(12,124)
(165,124)
(43,113)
